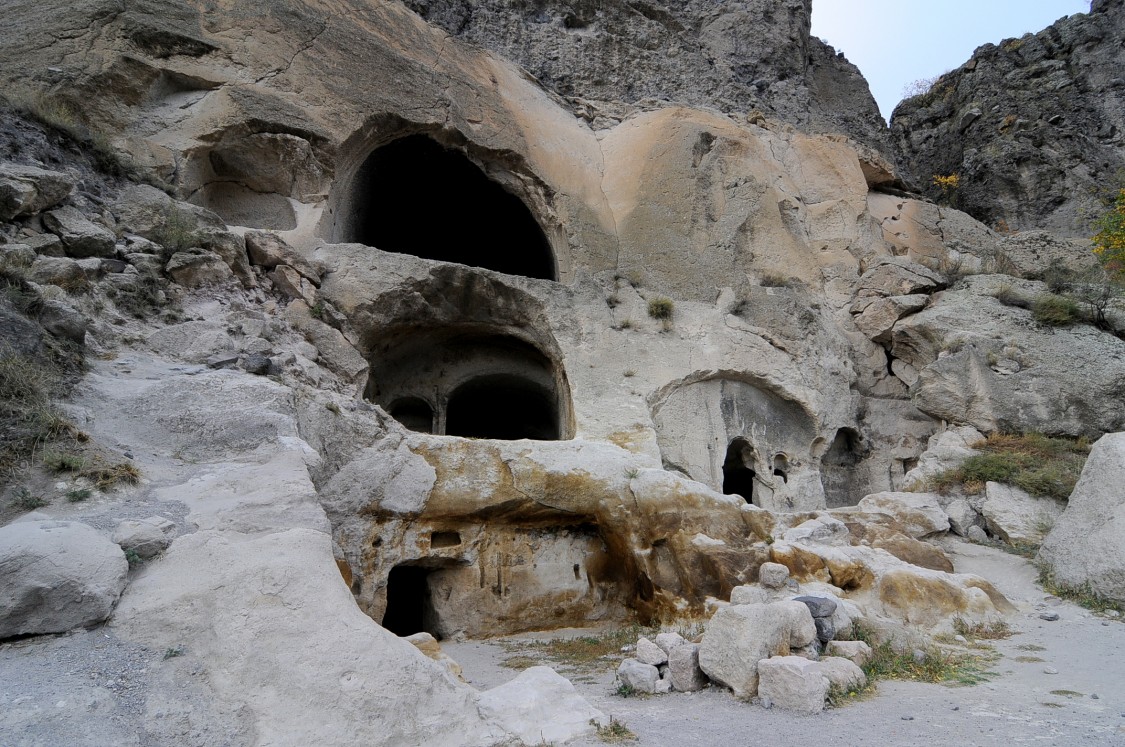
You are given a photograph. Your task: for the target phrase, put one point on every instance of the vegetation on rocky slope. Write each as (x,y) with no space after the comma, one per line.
(1041,465)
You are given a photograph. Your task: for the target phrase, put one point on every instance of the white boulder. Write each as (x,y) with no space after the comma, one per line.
(771,576)
(541,706)
(858,652)
(57,576)
(792,683)
(146,537)
(1017,517)
(740,636)
(649,653)
(683,668)
(1086,547)
(638,676)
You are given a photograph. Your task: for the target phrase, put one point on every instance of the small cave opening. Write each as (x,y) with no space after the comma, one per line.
(837,469)
(502,406)
(414,413)
(781,467)
(410,607)
(739,477)
(416,196)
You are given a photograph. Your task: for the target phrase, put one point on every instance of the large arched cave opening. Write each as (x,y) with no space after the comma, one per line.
(415,196)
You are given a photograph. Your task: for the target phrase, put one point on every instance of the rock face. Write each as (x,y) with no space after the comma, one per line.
(58,575)
(733,57)
(1085,549)
(1034,127)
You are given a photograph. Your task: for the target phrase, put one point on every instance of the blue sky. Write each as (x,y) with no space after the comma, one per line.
(895,42)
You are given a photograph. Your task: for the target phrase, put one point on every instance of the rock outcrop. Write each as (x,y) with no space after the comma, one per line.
(1033,127)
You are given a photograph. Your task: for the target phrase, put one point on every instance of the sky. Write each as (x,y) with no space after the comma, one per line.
(895,42)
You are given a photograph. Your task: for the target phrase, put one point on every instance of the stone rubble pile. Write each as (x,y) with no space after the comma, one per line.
(781,651)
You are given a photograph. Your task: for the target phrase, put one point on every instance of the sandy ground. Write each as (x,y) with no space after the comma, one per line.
(1016,706)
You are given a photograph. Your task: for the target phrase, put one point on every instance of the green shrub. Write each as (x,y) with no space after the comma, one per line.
(178,232)
(1056,311)
(25,500)
(77,495)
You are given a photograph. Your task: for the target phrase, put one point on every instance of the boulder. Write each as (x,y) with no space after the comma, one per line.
(196,269)
(63,321)
(876,317)
(842,673)
(739,636)
(961,515)
(58,575)
(898,276)
(669,641)
(772,576)
(1086,547)
(753,594)
(792,683)
(46,244)
(818,606)
(194,341)
(293,285)
(146,211)
(26,190)
(269,250)
(80,237)
(61,271)
(638,676)
(1017,517)
(857,652)
(339,355)
(945,450)
(649,653)
(146,537)
(683,668)
(919,514)
(823,529)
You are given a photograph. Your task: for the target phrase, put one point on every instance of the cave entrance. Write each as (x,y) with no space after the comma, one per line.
(415,196)
(739,477)
(410,607)
(502,406)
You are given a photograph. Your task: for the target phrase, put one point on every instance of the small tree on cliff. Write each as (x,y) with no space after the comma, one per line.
(1109,241)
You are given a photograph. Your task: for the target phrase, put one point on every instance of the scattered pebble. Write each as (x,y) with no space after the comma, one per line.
(1094,696)
(960,639)
(1049,616)
(1050,670)
(956,708)
(911,718)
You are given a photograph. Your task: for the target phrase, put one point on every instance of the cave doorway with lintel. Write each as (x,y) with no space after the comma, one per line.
(416,196)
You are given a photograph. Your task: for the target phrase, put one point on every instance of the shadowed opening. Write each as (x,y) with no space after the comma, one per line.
(738,470)
(416,414)
(414,196)
(410,608)
(502,406)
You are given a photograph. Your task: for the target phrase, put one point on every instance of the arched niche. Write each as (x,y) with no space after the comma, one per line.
(483,384)
(739,475)
(837,470)
(414,195)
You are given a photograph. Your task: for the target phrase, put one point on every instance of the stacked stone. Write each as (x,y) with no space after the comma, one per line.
(661,666)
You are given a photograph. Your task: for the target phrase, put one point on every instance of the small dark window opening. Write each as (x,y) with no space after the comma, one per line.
(410,607)
(502,406)
(445,539)
(781,467)
(414,413)
(414,196)
(738,470)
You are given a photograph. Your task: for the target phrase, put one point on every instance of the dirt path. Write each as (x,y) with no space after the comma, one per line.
(1081,703)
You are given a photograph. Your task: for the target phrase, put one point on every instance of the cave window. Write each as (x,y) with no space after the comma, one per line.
(781,467)
(414,413)
(502,406)
(410,607)
(837,469)
(415,196)
(739,477)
